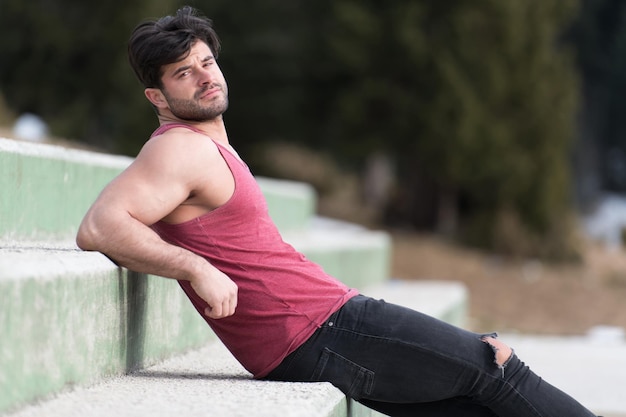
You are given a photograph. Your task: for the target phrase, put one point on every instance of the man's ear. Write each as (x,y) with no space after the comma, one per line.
(156,97)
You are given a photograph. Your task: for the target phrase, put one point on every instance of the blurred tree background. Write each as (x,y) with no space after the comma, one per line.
(499,120)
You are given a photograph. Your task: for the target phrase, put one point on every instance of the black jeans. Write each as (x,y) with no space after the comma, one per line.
(404,363)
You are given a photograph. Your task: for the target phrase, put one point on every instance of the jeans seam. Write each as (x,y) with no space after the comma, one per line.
(456,359)
(518,392)
(363,381)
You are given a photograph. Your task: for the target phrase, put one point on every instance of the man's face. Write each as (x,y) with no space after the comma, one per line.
(195,88)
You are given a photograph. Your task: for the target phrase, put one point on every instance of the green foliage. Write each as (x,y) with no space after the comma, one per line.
(499,126)
(476,97)
(473,99)
(66,61)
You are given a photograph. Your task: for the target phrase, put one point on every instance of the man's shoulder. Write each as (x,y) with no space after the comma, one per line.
(178,132)
(179,140)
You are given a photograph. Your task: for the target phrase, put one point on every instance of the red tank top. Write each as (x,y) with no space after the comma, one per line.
(283,297)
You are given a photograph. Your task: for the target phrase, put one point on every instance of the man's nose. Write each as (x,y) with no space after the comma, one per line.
(206,76)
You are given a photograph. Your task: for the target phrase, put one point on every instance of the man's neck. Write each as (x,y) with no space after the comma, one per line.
(215,128)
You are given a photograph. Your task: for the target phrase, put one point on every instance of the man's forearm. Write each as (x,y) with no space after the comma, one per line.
(135,246)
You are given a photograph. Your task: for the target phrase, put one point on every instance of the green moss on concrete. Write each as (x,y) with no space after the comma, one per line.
(72,317)
(46,189)
(291,204)
(358,258)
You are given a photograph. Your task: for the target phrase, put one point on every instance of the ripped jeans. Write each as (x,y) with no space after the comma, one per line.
(404,363)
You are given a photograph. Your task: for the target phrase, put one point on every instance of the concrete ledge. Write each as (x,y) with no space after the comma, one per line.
(71,317)
(357,256)
(291,204)
(209,382)
(445,300)
(590,368)
(47,189)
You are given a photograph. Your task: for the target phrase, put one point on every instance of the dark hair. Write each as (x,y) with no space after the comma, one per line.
(154,44)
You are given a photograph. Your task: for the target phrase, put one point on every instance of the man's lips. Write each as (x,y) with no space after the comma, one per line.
(209,92)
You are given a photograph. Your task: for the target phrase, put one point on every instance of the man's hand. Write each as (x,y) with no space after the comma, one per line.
(219,291)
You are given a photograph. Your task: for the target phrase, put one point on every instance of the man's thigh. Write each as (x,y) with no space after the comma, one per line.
(382,352)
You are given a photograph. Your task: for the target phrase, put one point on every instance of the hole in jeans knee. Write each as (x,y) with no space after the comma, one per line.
(502,352)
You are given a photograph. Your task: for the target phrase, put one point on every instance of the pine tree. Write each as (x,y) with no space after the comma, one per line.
(476,101)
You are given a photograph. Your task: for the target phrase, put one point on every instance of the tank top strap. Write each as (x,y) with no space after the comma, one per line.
(164,128)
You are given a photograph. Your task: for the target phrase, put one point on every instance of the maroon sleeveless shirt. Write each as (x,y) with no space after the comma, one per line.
(283,297)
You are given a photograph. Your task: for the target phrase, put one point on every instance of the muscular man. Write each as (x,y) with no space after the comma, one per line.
(188,208)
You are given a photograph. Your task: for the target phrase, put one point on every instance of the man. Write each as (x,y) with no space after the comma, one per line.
(189,209)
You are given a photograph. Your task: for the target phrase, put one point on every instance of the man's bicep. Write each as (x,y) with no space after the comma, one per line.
(167,171)
(145,193)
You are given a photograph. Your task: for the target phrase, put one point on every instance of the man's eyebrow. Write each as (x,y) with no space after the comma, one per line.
(186,67)
(181,69)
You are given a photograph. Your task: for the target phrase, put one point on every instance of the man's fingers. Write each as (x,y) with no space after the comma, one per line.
(214,312)
(219,292)
(225,309)
(209,312)
(233,304)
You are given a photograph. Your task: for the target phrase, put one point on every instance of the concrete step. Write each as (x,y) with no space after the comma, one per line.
(206,382)
(445,300)
(47,189)
(291,204)
(71,317)
(590,367)
(209,382)
(357,256)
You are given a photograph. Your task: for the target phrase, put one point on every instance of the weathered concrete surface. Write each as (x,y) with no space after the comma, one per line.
(291,204)
(47,189)
(70,317)
(446,300)
(209,382)
(590,368)
(357,256)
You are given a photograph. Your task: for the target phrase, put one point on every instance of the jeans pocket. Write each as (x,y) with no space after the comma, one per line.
(351,378)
